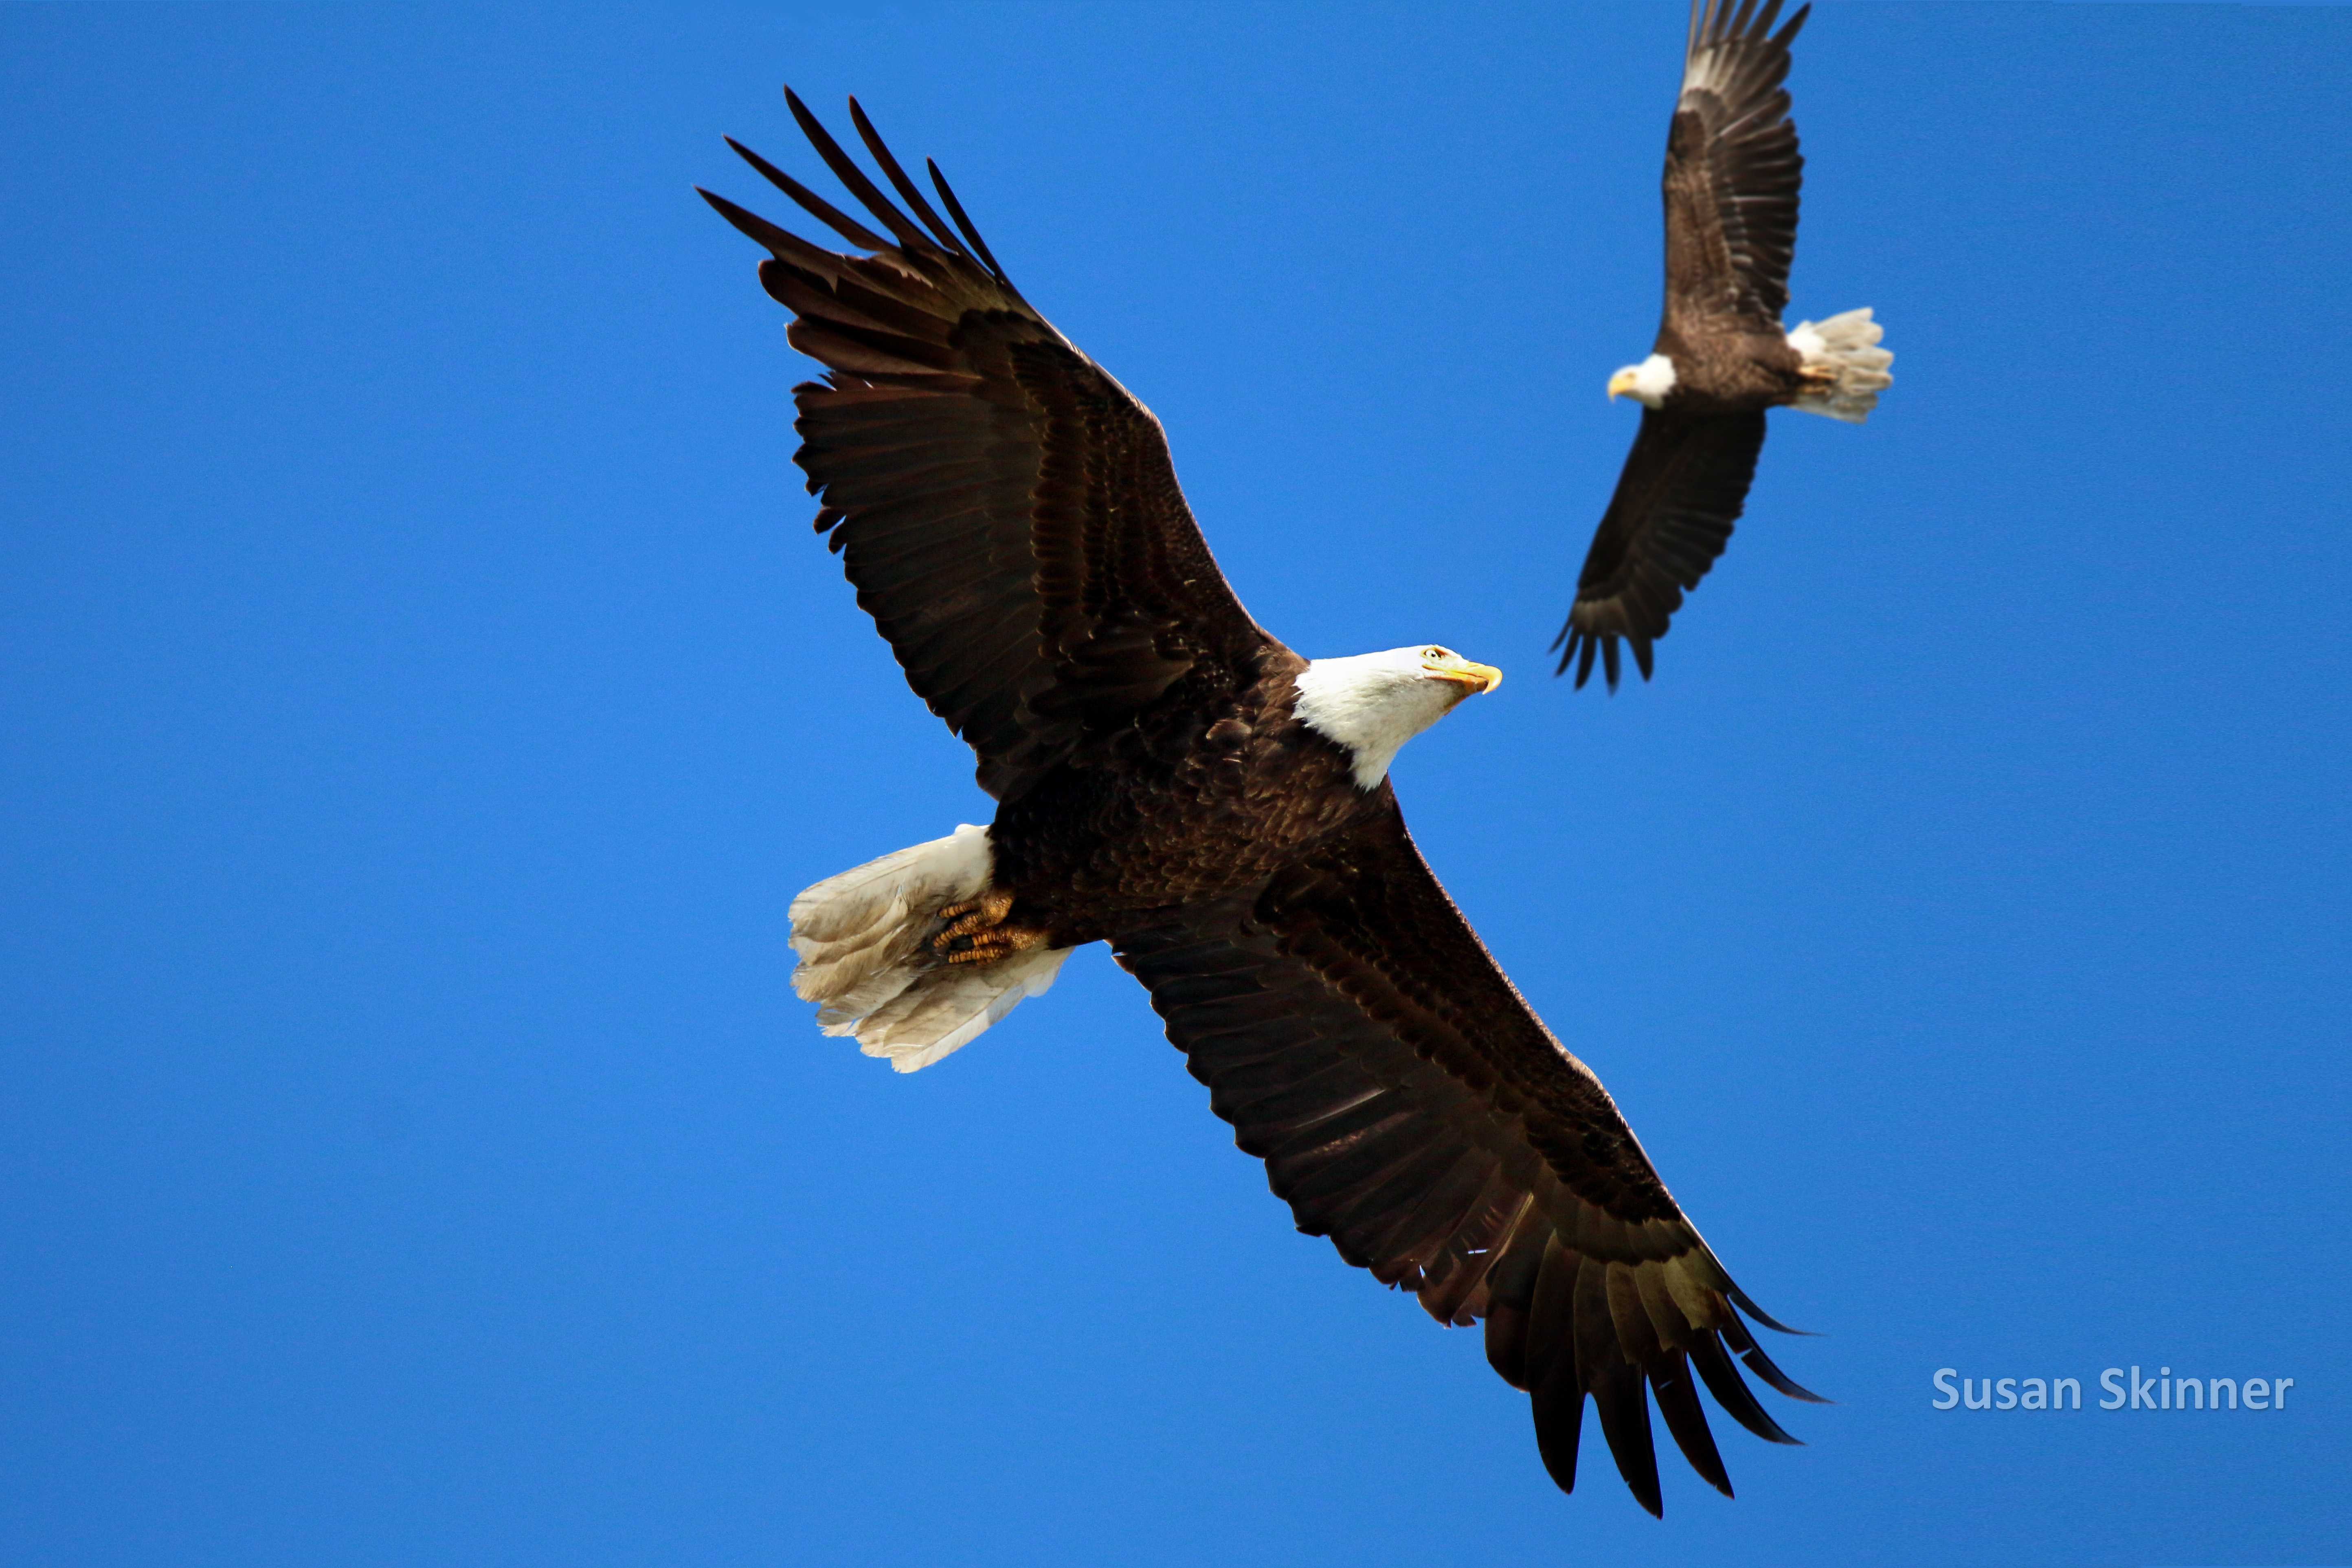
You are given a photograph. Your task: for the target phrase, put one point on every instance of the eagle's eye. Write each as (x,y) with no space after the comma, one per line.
(1434,653)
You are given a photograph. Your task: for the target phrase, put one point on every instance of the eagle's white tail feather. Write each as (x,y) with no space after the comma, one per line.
(857,933)
(946,1008)
(1848,345)
(865,943)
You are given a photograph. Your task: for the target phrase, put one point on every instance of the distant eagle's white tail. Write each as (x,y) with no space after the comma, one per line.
(1846,348)
(865,943)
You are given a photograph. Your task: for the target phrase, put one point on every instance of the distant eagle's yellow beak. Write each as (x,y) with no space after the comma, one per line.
(1478,677)
(1620,385)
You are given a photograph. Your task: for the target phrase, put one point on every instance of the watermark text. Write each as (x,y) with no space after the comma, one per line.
(2121,1388)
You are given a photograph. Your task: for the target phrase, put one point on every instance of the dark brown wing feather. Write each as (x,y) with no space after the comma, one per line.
(1007,511)
(1732,173)
(1682,487)
(1409,1105)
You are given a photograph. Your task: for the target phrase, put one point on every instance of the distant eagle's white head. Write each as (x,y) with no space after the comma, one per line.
(1374,702)
(1646,383)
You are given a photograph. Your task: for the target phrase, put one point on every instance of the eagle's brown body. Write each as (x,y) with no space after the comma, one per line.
(1726,372)
(1210,797)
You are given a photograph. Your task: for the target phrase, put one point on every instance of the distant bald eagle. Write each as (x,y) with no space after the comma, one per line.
(1172,779)
(1722,357)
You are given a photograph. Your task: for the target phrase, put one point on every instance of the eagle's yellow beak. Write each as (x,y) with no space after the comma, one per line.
(1478,677)
(1620,385)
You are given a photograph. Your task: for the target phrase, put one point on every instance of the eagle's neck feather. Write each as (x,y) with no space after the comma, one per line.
(1371,705)
(1653,378)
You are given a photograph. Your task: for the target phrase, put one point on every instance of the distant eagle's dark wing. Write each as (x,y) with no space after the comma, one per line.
(1732,171)
(1409,1105)
(1682,488)
(1007,511)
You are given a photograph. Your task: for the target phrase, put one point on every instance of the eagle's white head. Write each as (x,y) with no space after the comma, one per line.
(1374,702)
(1646,383)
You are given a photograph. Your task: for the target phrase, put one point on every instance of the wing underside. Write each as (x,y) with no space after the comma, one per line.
(1361,1040)
(1008,513)
(1682,487)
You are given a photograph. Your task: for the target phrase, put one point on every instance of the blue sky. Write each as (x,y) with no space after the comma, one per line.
(423,696)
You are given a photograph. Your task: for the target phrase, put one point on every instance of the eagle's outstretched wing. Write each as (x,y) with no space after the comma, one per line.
(1007,511)
(1732,171)
(1682,488)
(1409,1105)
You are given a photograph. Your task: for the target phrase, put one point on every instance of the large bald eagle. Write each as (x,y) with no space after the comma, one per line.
(1722,357)
(1172,779)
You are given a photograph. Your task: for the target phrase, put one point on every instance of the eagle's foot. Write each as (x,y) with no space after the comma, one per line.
(973,915)
(976,932)
(988,946)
